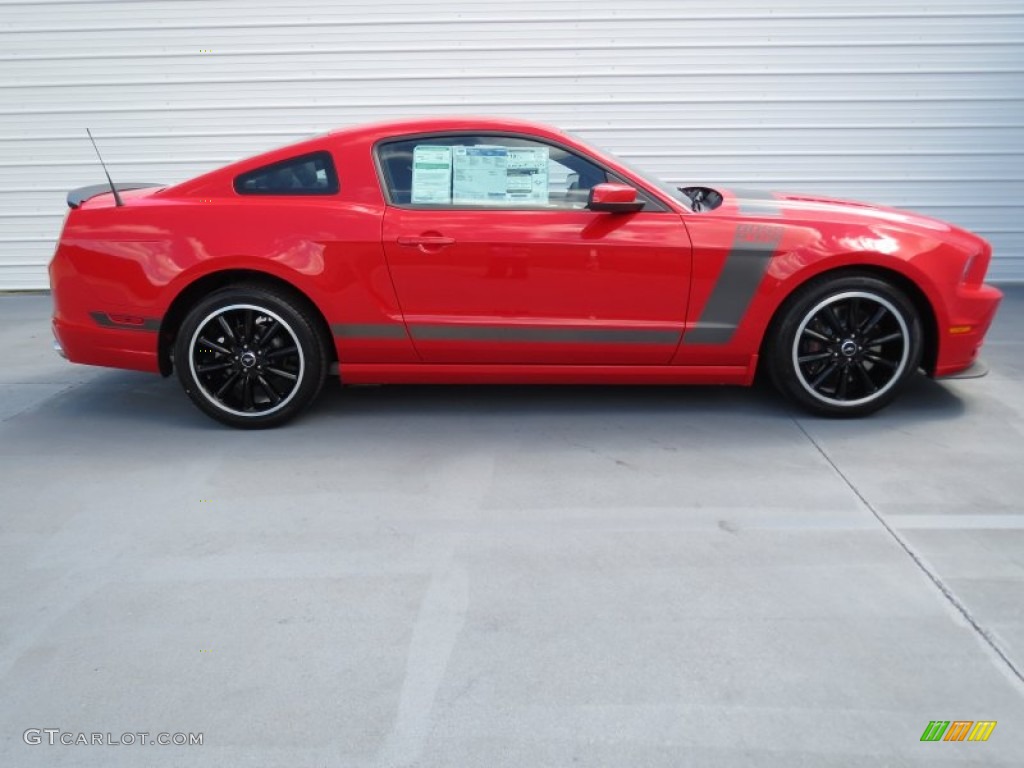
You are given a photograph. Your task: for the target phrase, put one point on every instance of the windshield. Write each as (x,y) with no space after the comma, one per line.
(671,190)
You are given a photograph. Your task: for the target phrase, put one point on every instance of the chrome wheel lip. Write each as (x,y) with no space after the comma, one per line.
(212,316)
(893,379)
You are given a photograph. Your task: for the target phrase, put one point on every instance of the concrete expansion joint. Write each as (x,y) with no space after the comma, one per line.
(30,406)
(1014,669)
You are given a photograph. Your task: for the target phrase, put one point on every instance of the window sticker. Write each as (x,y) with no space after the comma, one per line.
(431,174)
(479,175)
(527,179)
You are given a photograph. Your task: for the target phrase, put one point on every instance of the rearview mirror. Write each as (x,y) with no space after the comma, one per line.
(614,198)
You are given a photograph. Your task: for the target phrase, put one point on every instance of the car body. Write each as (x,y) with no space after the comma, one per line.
(477,250)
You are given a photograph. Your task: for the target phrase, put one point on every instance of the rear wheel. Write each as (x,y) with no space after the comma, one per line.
(250,356)
(845,346)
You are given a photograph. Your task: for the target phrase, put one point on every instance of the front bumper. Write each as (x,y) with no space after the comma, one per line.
(976,370)
(970,315)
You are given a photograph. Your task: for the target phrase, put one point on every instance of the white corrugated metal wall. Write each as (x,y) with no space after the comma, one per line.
(914,104)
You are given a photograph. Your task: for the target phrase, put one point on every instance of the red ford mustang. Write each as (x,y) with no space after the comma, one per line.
(486,250)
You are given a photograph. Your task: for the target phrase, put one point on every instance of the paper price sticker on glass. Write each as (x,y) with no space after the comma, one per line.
(480,175)
(527,176)
(432,174)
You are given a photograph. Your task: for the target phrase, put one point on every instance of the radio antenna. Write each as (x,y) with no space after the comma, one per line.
(117,198)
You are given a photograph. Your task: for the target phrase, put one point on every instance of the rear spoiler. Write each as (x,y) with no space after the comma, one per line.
(78,196)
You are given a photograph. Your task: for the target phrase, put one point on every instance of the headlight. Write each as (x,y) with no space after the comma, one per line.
(977,264)
(964,276)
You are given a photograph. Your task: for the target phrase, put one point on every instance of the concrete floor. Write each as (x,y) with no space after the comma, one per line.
(509,576)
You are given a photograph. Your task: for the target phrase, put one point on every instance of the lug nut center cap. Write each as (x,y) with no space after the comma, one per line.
(248,359)
(848,348)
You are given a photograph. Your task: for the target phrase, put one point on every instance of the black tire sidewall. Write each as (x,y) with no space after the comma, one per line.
(294,314)
(779,349)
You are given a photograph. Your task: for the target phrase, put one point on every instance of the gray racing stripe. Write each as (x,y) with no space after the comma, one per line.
(150,324)
(550,335)
(368,331)
(760,208)
(741,274)
(757,202)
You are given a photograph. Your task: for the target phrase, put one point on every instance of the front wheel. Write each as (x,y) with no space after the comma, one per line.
(250,356)
(845,346)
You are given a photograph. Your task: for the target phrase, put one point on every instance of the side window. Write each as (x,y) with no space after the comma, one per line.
(311,174)
(489,171)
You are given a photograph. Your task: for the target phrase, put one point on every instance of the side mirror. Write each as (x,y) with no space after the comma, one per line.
(614,198)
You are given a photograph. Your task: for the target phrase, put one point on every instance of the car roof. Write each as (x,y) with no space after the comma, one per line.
(363,133)
(445,123)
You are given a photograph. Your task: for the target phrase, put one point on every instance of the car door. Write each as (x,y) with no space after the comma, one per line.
(495,258)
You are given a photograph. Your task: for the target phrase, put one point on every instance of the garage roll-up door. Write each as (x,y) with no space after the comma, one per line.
(918,105)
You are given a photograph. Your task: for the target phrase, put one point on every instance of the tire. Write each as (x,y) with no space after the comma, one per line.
(845,346)
(250,356)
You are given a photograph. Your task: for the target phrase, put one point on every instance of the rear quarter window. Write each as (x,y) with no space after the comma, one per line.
(312,174)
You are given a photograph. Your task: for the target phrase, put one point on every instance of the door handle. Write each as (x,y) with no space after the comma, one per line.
(425,241)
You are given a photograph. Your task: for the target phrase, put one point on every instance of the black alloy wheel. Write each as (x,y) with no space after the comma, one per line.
(846,346)
(250,356)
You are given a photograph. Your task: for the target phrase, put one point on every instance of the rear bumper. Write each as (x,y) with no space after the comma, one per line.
(970,316)
(92,344)
(93,324)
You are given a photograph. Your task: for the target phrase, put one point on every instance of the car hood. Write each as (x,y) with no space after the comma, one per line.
(789,206)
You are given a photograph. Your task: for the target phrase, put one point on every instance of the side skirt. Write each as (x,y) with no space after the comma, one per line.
(450,373)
